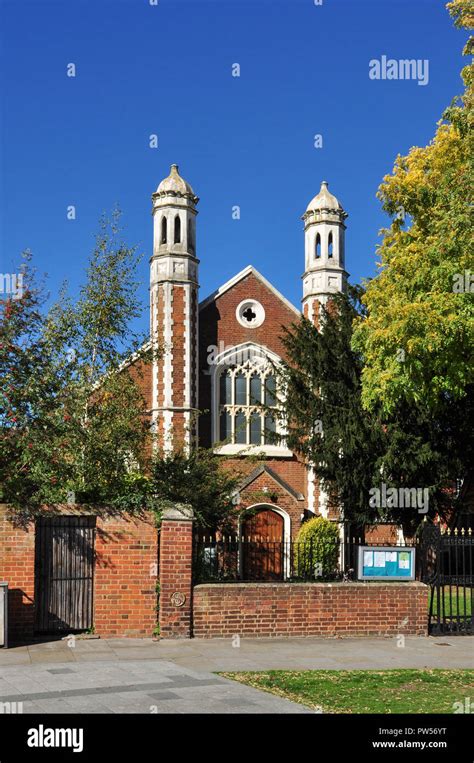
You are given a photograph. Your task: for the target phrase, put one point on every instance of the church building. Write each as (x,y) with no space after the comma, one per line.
(220,352)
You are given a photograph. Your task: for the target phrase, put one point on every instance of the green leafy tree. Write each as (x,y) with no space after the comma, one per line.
(321,406)
(418,335)
(201,479)
(72,422)
(353,450)
(33,417)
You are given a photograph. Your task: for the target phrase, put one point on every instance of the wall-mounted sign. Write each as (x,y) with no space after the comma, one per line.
(386,563)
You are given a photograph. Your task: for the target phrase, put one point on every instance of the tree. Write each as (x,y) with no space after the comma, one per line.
(99,330)
(417,336)
(73,422)
(353,450)
(198,478)
(33,418)
(321,406)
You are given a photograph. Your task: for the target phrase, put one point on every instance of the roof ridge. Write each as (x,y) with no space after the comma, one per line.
(238,277)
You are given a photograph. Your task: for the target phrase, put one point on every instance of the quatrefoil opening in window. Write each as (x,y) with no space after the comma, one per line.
(250,313)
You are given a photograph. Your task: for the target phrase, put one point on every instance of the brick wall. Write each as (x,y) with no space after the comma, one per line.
(310,609)
(125,574)
(17,568)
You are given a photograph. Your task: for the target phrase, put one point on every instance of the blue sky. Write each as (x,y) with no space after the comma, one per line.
(246,141)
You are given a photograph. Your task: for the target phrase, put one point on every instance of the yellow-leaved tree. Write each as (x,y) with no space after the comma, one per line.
(418,336)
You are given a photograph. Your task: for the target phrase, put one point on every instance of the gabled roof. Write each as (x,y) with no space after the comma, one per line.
(239,277)
(264,469)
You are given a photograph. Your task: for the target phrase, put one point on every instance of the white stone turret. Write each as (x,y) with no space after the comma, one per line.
(324,230)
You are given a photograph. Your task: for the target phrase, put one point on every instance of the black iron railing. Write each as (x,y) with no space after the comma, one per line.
(256,559)
(448,567)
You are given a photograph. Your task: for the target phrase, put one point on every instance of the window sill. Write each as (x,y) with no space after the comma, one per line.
(270,451)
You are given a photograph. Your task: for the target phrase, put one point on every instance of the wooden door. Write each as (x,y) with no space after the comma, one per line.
(64,574)
(263,546)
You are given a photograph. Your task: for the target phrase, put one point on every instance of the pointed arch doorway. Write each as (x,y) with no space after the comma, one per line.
(263,532)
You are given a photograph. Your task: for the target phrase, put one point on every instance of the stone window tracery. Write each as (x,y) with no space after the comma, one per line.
(244,391)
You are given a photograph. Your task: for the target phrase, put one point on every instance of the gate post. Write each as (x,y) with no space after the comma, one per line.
(176,572)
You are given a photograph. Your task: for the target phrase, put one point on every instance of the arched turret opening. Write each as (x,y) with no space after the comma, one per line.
(177,230)
(164,231)
(330,246)
(317,246)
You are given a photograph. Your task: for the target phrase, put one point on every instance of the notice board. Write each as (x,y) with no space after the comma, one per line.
(386,563)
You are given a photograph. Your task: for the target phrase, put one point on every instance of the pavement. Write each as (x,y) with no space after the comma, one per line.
(146,676)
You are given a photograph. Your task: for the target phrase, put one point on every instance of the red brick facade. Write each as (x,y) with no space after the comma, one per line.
(126,571)
(265,490)
(310,609)
(218,327)
(159,317)
(178,379)
(218,324)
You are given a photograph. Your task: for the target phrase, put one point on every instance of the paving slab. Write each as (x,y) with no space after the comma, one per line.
(18,656)
(42,656)
(122,687)
(147,676)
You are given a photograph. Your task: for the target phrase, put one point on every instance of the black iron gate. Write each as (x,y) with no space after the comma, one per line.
(64,573)
(447,566)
